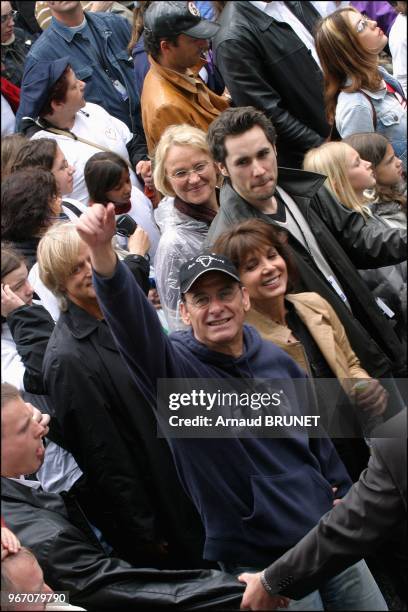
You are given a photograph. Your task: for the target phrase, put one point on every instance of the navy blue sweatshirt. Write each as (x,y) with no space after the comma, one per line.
(256,497)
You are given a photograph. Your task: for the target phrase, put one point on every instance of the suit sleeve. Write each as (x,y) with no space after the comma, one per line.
(353,529)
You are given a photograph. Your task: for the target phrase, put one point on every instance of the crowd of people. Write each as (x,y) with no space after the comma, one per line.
(211,194)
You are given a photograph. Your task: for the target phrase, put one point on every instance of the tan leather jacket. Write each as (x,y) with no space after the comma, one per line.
(170,98)
(325,328)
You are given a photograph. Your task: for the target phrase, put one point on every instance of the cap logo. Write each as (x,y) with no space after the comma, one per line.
(205,260)
(193,9)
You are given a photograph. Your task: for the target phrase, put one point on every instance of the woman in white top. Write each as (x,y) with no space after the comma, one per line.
(108,179)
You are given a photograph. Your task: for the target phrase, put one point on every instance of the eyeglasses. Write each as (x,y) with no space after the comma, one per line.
(182,175)
(10,15)
(202,300)
(362,24)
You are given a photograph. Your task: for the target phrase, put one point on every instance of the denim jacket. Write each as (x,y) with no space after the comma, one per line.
(114,33)
(354,114)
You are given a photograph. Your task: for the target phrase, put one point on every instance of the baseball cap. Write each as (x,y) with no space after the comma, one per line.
(173,18)
(192,269)
(37,81)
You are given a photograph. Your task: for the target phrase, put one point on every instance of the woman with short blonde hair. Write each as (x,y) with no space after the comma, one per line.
(175,136)
(186,174)
(57,256)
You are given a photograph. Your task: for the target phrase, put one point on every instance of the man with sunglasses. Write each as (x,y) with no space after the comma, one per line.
(14,46)
(255,496)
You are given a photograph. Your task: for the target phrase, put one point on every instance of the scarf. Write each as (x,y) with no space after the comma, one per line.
(199,212)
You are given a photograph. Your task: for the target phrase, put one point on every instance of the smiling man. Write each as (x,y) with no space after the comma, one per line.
(249,491)
(329,242)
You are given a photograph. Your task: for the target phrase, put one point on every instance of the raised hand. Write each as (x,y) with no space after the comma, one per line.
(96,227)
(255,596)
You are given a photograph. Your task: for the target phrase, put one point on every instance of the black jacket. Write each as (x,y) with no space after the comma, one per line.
(373,511)
(131,483)
(31,328)
(266,65)
(13,57)
(73,561)
(348,243)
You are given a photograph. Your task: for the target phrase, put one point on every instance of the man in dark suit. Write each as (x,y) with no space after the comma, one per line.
(373,511)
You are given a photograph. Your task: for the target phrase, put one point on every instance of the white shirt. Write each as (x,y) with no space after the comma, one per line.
(12,368)
(328,7)
(96,125)
(8,119)
(397,41)
(279,11)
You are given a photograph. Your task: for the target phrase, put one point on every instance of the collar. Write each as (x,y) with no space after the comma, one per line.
(13,490)
(67,34)
(9,41)
(299,184)
(188,82)
(79,321)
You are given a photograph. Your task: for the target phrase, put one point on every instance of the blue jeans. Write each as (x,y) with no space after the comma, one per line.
(352,589)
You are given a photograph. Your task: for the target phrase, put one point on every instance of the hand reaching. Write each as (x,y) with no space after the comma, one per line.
(256,597)
(144,169)
(9,543)
(138,242)
(370,396)
(9,300)
(96,226)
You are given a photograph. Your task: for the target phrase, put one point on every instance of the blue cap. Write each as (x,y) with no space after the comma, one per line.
(37,81)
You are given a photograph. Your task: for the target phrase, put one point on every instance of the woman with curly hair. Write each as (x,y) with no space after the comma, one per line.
(30,202)
(360,95)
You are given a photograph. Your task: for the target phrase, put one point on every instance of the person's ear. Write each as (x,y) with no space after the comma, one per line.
(185,316)
(165,46)
(246,302)
(223,169)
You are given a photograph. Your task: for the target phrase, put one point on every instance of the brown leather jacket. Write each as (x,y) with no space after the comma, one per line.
(170,98)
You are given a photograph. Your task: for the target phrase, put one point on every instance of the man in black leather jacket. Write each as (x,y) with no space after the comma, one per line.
(264,63)
(66,548)
(327,240)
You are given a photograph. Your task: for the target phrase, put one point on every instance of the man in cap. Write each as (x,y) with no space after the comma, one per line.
(250,492)
(53,106)
(95,44)
(176,37)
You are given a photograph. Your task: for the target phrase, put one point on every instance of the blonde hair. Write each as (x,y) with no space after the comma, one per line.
(175,135)
(330,159)
(57,256)
(342,56)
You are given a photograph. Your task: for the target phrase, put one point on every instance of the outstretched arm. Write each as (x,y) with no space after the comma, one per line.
(96,227)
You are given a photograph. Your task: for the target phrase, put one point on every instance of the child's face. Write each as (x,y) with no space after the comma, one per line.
(122,192)
(389,172)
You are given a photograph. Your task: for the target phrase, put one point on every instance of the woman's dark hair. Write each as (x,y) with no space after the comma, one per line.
(26,200)
(41,152)
(57,93)
(10,146)
(372,147)
(138,23)
(248,237)
(11,259)
(103,172)
(233,122)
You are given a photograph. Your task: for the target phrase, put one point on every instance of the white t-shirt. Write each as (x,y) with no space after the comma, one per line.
(397,41)
(96,125)
(8,119)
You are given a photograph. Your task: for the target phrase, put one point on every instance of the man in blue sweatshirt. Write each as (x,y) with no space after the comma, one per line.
(256,496)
